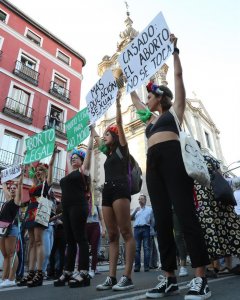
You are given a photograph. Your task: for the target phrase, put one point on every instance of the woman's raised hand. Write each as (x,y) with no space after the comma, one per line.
(173,40)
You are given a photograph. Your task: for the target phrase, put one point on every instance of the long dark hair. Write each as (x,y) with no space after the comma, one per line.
(111,148)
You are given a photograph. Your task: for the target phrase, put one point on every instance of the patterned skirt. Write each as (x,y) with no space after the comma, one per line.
(220,225)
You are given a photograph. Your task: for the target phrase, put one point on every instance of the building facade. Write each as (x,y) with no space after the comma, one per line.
(197,120)
(40,85)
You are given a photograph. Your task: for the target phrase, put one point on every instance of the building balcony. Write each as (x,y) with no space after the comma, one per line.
(18,110)
(1,53)
(59,92)
(58,174)
(8,159)
(59,126)
(26,73)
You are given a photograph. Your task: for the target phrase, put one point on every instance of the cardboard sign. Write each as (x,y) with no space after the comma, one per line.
(10,173)
(101,96)
(40,145)
(146,54)
(77,129)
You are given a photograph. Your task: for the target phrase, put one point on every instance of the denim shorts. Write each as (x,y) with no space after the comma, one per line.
(114,190)
(14,231)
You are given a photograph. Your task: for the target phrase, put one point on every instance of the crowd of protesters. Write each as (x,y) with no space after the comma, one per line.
(203,229)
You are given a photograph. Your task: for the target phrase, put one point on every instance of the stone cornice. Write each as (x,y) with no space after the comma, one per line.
(198,111)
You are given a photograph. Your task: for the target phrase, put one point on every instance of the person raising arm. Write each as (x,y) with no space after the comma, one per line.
(169,185)
(116,199)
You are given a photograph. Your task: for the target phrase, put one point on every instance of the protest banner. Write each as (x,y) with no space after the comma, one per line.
(146,54)
(10,173)
(39,146)
(101,96)
(77,129)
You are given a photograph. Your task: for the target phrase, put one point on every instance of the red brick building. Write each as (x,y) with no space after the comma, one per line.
(40,85)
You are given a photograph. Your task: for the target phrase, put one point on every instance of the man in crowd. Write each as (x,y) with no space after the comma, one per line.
(143,216)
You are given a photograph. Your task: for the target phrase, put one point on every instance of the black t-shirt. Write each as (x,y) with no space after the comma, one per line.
(115,167)
(9,211)
(73,189)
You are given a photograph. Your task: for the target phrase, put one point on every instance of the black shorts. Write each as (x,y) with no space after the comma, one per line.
(113,190)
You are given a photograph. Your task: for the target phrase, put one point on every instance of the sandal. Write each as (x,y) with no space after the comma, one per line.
(65,277)
(79,279)
(25,279)
(37,279)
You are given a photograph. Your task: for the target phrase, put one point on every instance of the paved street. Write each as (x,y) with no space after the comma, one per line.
(224,288)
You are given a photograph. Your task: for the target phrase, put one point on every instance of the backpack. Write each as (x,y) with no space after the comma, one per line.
(134,173)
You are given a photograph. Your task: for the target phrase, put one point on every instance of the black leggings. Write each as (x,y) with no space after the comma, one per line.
(169,185)
(74,223)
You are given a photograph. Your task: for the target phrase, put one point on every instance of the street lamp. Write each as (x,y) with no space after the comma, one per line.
(235,162)
(227,167)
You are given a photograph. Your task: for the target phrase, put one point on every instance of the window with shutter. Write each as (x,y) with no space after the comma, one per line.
(34,37)
(63,57)
(3,16)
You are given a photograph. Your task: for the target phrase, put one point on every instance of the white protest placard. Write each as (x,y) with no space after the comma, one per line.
(101,96)
(10,173)
(146,54)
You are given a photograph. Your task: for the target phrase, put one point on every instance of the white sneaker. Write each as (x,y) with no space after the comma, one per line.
(188,260)
(183,272)
(7,283)
(91,273)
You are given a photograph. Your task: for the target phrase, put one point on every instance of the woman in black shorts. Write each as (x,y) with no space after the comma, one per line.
(116,199)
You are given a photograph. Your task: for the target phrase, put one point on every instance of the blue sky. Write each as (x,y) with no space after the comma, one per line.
(209,43)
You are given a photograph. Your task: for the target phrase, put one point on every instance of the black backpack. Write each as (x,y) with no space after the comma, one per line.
(134,173)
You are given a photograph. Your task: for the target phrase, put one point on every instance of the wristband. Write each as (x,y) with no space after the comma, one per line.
(176,50)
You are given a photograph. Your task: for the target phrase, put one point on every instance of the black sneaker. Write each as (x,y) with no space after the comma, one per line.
(167,287)
(199,289)
(108,284)
(123,284)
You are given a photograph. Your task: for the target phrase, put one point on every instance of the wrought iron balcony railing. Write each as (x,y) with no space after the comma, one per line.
(53,122)
(8,159)
(59,92)
(58,174)
(18,110)
(26,73)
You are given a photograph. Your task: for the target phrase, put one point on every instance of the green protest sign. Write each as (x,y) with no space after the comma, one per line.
(39,146)
(77,129)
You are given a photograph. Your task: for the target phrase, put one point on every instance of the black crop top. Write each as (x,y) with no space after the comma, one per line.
(165,122)
(116,167)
